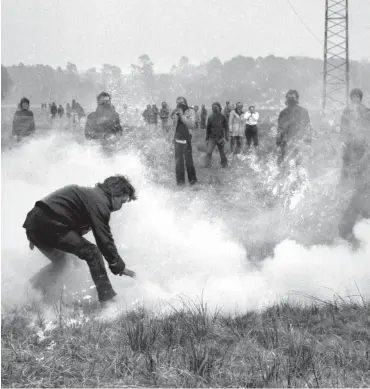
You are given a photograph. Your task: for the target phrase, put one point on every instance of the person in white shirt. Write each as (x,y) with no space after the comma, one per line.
(251,128)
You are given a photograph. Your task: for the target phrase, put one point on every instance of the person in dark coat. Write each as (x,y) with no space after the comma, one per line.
(294,129)
(60,111)
(23,120)
(57,223)
(53,110)
(217,134)
(183,123)
(203,117)
(105,121)
(147,114)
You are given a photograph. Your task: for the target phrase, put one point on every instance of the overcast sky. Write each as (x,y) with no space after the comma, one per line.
(92,32)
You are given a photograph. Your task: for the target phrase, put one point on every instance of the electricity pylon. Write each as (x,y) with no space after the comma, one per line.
(336,58)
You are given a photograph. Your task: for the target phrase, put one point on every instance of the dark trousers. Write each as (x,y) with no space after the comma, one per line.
(251,133)
(212,143)
(184,155)
(235,144)
(54,241)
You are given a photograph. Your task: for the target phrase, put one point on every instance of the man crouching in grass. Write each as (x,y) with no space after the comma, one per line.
(57,223)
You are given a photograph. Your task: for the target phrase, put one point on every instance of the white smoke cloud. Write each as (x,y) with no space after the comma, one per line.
(168,237)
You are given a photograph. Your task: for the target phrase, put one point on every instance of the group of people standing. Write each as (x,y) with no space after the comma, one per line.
(57,223)
(151,115)
(74,109)
(53,109)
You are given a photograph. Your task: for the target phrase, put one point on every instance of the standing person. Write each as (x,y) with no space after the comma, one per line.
(355,128)
(74,110)
(60,111)
(203,117)
(236,127)
(155,114)
(164,114)
(197,117)
(251,128)
(104,122)
(147,114)
(68,110)
(23,120)
(217,134)
(227,110)
(53,110)
(57,223)
(355,173)
(183,122)
(294,129)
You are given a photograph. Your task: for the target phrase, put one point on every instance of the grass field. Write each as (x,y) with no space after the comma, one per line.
(288,344)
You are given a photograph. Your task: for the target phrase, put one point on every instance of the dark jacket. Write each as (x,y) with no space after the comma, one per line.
(183,128)
(102,123)
(217,127)
(23,123)
(53,109)
(147,115)
(164,113)
(81,209)
(294,125)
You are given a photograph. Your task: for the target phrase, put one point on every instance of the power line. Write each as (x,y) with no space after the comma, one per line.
(302,21)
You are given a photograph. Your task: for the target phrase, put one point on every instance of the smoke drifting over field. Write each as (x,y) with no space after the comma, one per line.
(168,238)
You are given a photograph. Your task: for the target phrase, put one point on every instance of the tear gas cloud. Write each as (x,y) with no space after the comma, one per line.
(167,237)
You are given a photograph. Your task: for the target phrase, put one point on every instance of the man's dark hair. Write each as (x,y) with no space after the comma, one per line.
(118,185)
(24,100)
(227,102)
(293,92)
(356,92)
(103,94)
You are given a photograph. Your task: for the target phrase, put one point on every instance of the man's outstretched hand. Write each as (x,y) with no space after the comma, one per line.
(118,267)
(128,273)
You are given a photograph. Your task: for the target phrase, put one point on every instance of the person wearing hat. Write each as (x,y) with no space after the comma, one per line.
(23,120)
(57,223)
(217,134)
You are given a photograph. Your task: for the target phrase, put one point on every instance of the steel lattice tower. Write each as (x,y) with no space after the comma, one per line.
(336,59)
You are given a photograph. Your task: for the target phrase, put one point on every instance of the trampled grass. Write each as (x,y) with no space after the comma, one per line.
(286,345)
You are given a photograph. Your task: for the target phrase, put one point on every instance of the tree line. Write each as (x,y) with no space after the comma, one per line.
(263,81)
